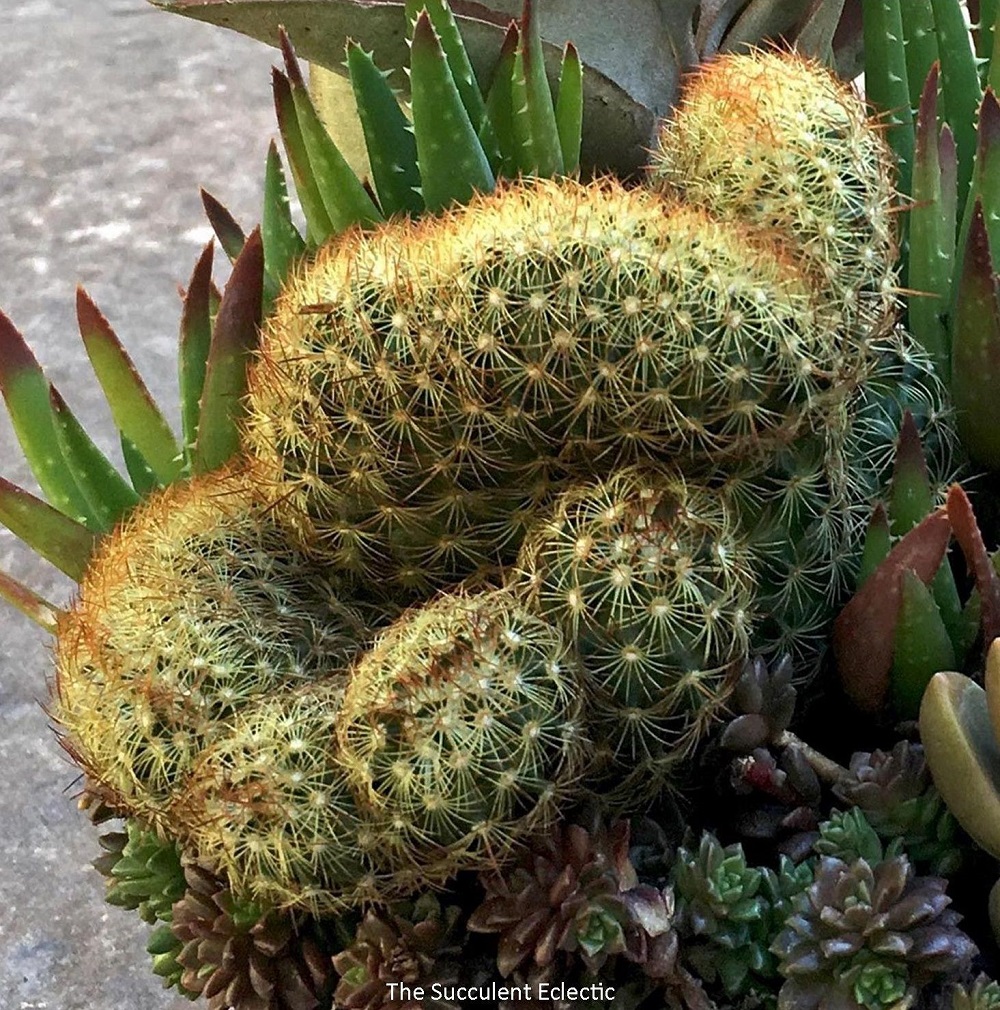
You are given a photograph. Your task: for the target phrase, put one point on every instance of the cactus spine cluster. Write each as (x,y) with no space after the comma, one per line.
(623,433)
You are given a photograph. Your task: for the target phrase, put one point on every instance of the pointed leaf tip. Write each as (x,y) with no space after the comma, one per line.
(292,67)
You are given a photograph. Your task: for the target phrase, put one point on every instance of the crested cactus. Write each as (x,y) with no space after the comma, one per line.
(647,574)
(461,729)
(189,610)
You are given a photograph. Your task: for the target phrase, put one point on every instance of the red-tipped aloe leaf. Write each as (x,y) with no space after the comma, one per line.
(195,341)
(963,522)
(392,151)
(921,646)
(453,164)
(910,497)
(109,495)
(985,185)
(33,606)
(283,244)
(932,229)
(877,544)
(345,198)
(233,341)
(227,229)
(26,393)
(963,754)
(133,408)
(863,632)
(62,541)
(569,109)
(975,349)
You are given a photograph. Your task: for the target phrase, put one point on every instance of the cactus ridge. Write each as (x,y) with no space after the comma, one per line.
(192,608)
(462,730)
(647,573)
(778,142)
(422,390)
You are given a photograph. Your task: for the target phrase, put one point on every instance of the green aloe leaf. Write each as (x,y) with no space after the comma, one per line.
(989,10)
(51,534)
(392,149)
(453,164)
(344,197)
(985,185)
(960,85)
(283,244)
(500,107)
(877,543)
(975,351)
(132,407)
(227,229)
(110,497)
(885,80)
(534,113)
(569,109)
(33,606)
(920,39)
(234,338)
(623,98)
(921,646)
(26,392)
(910,496)
(141,474)
(195,342)
(970,539)
(932,229)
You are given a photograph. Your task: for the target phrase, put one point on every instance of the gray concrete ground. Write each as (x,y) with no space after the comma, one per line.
(111,115)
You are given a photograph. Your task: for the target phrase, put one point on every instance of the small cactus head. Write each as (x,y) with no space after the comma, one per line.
(190,609)
(778,142)
(461,729)
(647,572)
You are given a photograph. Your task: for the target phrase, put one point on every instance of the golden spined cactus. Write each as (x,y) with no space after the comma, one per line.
(777,141)
(422,389)
(190,609)
(649,574)
(461,730)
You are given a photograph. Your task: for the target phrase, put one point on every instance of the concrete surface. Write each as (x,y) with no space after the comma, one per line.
(111,116)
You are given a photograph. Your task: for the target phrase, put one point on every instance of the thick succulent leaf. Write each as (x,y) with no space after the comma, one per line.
(910,496)
(109,495)
(970,539)
(975,349)
(920,37)
(985,185)
(863,632)
(26,392)
(963,754)
(392,149)
(227,229)
(534,112)
(569,109)
(876,546)
(33,606)
(132,407)
(195,341)
(627,86)
(921,646)
(281,239)
(234,337)
(500,104)
(885,80)
(343,196)
(141,474)
(986,14)
(818,30)
(932,229)
(62,541)
(453,164)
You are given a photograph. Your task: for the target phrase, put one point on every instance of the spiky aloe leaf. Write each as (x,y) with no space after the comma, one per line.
(959,83)
(910,496)
(62,541)
(453,164)
(282,243)
(110,497)
(195,342)
(963,754)
(623,97)
(33,606)
(920,39)
(227,229)
(970,539)
(344,198)
(877,543)
(863,631)
(132,407)
(975,350)
(569,109)
(932,229)
(921,646)
(989,10)
(233,339)
(139,471)
(500,103)
(885,80)
(534,113)
(392,149)
(26,392)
